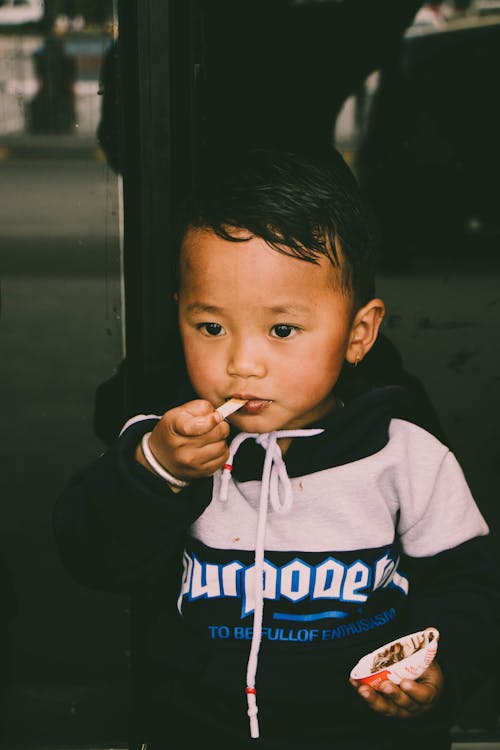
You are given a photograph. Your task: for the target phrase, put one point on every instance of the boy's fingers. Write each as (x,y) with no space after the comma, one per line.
(428,687)
(375,700)
(205,433)
(216,462)
(421,693)
(399,697)
(203,461)
(192,421)
(199,407)
(408,699)
(199,456)
(383,705)
(405,701)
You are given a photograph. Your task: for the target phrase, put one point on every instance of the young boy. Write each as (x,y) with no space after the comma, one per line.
(267,552)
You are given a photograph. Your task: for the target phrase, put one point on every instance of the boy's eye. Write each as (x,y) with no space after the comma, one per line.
(212,329)
(283,331)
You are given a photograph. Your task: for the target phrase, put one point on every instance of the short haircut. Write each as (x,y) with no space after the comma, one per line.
(300,205)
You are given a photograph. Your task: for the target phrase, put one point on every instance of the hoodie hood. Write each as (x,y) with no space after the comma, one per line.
(358,429)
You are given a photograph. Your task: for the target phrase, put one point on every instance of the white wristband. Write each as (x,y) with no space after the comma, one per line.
(156,466)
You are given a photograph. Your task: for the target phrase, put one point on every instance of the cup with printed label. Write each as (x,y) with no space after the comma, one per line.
(406,657)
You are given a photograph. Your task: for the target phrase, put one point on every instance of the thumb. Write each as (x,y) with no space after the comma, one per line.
(196,418)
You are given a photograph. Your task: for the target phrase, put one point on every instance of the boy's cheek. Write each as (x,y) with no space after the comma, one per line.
(203,374)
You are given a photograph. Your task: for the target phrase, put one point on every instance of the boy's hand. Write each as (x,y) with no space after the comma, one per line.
(410,698)
(189,441)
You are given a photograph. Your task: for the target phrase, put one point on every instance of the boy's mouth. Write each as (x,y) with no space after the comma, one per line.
(253,405)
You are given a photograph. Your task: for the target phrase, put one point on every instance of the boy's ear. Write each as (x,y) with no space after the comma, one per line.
(364,330)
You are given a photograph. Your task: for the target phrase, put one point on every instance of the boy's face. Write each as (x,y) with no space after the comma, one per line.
(263,326)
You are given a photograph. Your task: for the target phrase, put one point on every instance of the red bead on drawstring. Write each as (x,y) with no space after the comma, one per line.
(229,467)
(251,690)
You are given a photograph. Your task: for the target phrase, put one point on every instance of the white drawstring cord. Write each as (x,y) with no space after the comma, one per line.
(228,466)
(259,585)
(274,477)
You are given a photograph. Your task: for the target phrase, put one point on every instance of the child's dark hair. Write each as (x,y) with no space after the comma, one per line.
(298,204)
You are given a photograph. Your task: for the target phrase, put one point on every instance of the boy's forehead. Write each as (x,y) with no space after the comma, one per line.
(205,257)
(197,239)
(200,245)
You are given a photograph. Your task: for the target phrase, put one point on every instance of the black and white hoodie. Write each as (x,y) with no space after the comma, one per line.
(274,577)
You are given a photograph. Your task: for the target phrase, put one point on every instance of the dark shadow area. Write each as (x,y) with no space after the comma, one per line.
(60,333)
(8,613)
(277,73)
(430,156)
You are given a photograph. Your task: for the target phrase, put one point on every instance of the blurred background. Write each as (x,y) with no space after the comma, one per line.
(60,335)
(105,108)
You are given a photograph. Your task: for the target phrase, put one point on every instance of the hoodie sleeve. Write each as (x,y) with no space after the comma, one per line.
(450,563)
(115,520)
(457,591)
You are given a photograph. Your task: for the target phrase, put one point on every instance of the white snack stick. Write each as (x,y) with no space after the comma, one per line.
(230,406)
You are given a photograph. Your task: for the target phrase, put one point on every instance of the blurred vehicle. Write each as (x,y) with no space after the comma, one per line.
(17,12)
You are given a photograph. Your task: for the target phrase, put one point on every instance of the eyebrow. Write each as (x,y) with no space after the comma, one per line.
(276,309)
(288,309)
(200,307)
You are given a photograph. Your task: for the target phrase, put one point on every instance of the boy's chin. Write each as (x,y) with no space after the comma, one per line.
(253,423)
(259,424)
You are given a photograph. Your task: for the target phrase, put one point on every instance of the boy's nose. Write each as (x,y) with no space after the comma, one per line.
(246,360)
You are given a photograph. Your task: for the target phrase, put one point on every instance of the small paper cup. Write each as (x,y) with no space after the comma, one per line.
(406,657)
